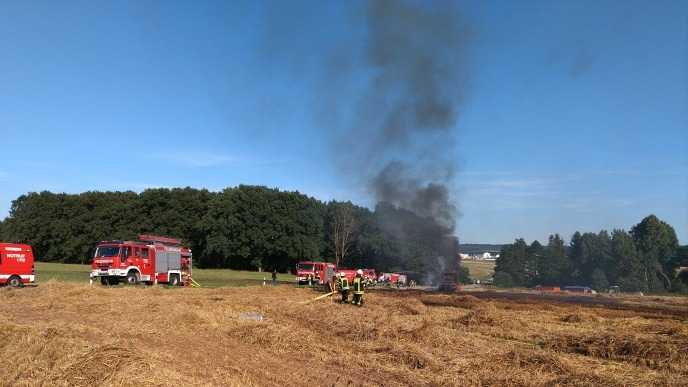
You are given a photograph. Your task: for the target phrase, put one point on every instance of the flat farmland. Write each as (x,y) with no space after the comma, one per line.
(212,278)
(480,270)
(70,334)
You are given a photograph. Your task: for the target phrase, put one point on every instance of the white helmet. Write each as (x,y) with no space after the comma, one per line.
(359,272)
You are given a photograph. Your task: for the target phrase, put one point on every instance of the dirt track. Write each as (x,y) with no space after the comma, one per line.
(63,334)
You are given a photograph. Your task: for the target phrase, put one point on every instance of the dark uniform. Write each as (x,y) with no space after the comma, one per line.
(343,284)
(358,290)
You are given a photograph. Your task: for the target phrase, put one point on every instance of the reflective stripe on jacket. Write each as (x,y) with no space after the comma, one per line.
(344,283)
(358,285)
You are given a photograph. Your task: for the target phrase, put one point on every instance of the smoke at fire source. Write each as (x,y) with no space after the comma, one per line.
(408,110)
(400,82)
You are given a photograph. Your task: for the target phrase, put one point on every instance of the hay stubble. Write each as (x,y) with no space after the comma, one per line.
(67,334)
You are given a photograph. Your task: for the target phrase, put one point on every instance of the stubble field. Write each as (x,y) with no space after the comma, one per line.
(69,334)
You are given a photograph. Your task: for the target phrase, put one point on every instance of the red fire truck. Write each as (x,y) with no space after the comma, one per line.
(370,277)
(152,259)
(348,273)
(315,273)
(16,264)
(393,279)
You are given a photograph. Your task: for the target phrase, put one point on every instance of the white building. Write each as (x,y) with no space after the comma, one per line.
(485,256)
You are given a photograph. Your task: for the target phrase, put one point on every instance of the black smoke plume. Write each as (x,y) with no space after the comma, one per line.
(401,138)
(391,93)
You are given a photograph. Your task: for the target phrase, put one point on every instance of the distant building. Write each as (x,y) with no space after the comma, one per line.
(484,256)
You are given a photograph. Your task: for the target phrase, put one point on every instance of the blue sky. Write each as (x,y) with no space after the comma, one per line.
(576,117)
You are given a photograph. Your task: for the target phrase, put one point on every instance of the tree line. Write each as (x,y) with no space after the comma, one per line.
(646,258)
(244,227)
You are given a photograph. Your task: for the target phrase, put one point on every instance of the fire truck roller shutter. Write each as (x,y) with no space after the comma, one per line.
(167,260)
(330,272)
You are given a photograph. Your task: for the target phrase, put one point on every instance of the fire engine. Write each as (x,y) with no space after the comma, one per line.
(315,273)
(309,272)
(152,259)
(16,264)
(348,273)
(393,279)
(370,277)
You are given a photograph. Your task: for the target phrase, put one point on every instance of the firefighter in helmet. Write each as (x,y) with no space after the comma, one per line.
(358,288)
(343,285)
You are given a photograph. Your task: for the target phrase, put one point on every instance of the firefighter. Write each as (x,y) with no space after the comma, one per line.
(358,288)
(343,284)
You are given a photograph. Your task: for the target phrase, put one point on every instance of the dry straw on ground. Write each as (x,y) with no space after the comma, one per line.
(72,335)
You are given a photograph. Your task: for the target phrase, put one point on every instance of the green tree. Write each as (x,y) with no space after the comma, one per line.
(176,212)
(656,243)
(577,257)
(598,280)
(535,255)
(588,252)
(503,279)
(628,262)
(464,275)
(604,260)
(252,227)
(555,265)
(374,248)
(513,261)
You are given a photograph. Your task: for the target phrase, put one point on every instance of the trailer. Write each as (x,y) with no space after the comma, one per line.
(150,260)
(16,264)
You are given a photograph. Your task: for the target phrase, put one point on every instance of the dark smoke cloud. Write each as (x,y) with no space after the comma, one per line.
(396,186)
(401,136)
(408,109)
(390,96)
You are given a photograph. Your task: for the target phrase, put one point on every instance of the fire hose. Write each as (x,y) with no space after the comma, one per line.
(318,298)
(194,283)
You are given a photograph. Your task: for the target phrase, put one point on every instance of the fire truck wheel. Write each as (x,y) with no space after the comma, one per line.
(104,281)
(174,280)
(15,282)
(132,277)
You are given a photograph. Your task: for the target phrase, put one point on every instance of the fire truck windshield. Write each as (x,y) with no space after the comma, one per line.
(107,251)
(305,266)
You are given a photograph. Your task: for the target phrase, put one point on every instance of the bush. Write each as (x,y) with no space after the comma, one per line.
(464,276)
